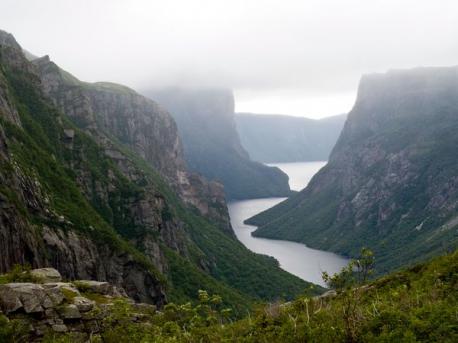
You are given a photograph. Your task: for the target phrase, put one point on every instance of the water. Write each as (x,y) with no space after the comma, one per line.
(300,173)
(296,258)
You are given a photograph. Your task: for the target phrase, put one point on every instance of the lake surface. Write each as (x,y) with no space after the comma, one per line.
(296,258)
(300,173)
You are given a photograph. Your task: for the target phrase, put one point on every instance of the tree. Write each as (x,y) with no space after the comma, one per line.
(347,284)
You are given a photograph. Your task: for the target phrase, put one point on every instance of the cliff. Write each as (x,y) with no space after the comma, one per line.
(76,198)
(110,111)
(391,180)
(281,138)
(44,220)
(205,119)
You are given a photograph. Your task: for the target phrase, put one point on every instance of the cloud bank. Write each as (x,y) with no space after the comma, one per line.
(304,54)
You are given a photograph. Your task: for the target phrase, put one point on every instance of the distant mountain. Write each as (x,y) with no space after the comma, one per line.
(391,182)
(206,124)
(281,138)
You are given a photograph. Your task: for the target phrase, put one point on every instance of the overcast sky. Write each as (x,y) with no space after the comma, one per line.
(288,57)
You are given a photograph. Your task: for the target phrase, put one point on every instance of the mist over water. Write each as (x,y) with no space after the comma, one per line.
(300,173)
(296,258)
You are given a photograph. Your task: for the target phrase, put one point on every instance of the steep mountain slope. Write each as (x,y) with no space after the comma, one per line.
(110,112)
(392,179)
(205,120)
(88,205)
(280,138)
(44,218)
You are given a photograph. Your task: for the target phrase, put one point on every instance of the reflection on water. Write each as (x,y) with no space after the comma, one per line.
(295,258)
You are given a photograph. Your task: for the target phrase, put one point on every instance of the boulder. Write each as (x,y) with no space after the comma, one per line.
(58,291)
(32,297)
(83,304)
(9,299)
(69,311)
(100,287)
(46,274)
(59,328)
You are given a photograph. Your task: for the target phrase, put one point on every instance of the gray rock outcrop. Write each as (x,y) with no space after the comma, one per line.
(62,307)
(138,123)
(47,274)
(75,254)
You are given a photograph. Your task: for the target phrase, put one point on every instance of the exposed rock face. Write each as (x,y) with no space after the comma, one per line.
(107,110)
(62,307)
(79,258)
(205,120)
(91,207)
(83,304)
(209,198)
(8,111)
(47,274)
(11,49)
(74,254)
(29,296)
(104,288)
(281,138)
(41,297)
(110,108)
(391,182)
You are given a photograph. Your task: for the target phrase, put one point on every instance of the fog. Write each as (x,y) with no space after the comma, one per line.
(292,57)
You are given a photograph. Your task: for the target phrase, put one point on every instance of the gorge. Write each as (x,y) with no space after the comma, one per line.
(168,217)
(296,258)
(206,123)
(391,180)
(94,184)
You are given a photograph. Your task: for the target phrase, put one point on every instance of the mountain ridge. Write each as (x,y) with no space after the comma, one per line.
(82,200)
(390,183)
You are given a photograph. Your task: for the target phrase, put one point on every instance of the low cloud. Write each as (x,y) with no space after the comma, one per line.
(315,48)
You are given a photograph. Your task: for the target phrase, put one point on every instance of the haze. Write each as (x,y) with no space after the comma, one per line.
(291,57)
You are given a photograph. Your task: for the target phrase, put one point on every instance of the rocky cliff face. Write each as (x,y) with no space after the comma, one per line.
(27,212)
(74,197)
(44,305)
(74,254)
(212,147)
(113,109)
(107,110)
(391,181)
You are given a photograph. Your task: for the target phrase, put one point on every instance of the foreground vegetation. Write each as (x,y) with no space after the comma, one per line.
(414,305)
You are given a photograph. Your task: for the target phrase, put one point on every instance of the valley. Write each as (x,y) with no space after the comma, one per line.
(215,172)
(391,180)
(295,258)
